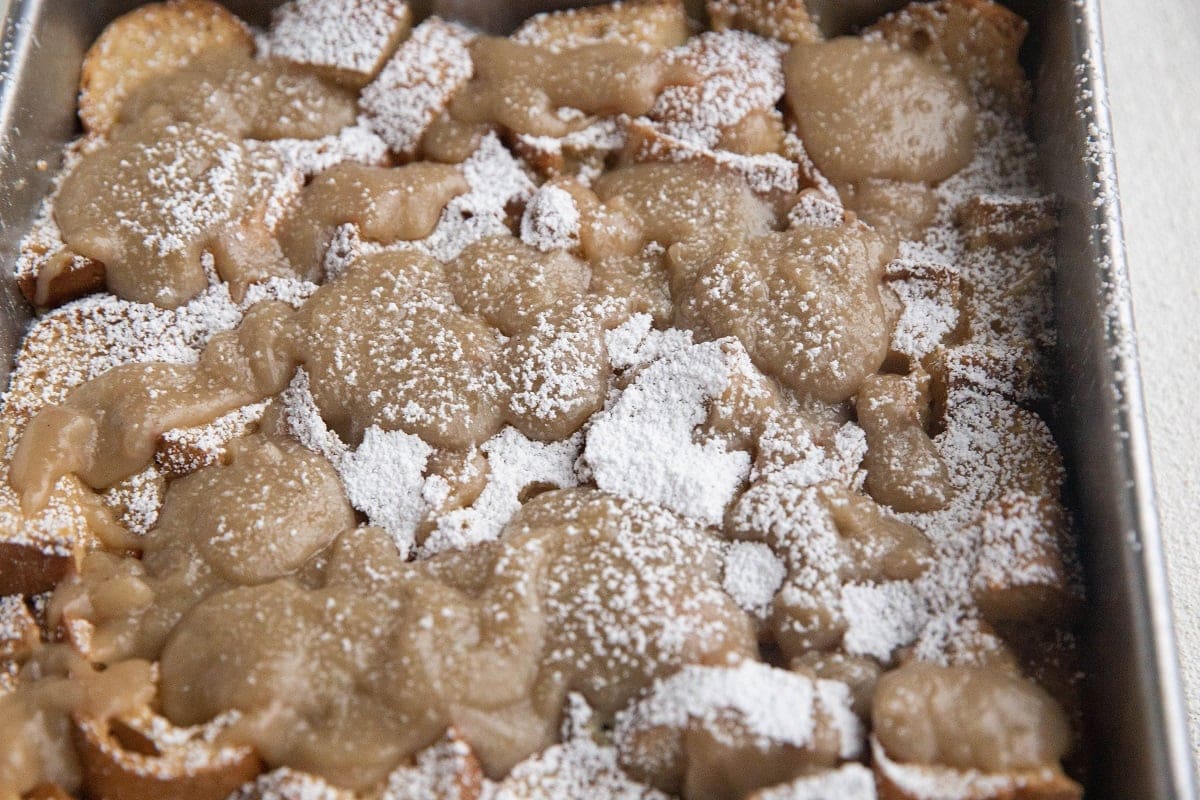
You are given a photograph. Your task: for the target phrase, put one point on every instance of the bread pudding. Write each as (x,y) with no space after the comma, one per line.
(635,406)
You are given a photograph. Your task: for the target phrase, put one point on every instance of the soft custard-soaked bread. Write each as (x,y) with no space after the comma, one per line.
(617,409)
(146,44)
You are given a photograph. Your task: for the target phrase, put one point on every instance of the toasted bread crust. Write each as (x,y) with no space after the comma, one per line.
(896,781)
(978,40)
(147,42)
(143,768)
(345,42)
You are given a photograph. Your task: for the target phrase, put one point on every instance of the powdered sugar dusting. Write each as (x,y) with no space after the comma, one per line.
(644,447)
(383,480)
(739,73)
(350,35)
(514,463)
(752,576)
(416,85)
(551,220)
(497,182)
(771,706)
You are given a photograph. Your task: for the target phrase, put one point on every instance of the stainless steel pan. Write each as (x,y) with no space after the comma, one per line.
(1136,717)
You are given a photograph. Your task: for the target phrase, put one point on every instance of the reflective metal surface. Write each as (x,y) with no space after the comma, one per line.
(1136,716)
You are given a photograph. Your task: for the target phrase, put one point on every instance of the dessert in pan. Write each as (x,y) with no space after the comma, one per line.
(622,408)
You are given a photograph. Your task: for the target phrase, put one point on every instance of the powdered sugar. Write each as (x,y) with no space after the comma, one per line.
(769,706)
(643,447)
(497,181)
(352,37)
(847,782)
(739,73)
(355,143)
(446,771)
(880,617)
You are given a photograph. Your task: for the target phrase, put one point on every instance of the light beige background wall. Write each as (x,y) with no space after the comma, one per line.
(1154,75)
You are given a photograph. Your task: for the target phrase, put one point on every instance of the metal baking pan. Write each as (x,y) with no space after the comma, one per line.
(1136,717)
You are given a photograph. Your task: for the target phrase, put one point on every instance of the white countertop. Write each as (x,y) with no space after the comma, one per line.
(1153,58)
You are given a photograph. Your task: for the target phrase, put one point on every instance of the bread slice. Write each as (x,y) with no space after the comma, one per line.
(346,42)
(896,781)
(978,40)
(655,25)
(149,42)
(145,757)
(416,85)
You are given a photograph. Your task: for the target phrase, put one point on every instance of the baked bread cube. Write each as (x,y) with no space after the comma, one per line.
(1006,221)
(416,85)
(447,770)
(897,781)
(19,631)
(346,42)
(931,315)
(785,20)
(290,784)
(147,43)
(650,24)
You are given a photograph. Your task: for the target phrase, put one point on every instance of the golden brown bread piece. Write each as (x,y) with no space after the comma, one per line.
(56,276)
(896,781)
(978,40)
(920,287)
(288,784)
(447,770)
(144,757)
(785,20)
(654,24)
(147,43)
(39,550)
(48,791)
(1004,222)
(19,631)
(769,175)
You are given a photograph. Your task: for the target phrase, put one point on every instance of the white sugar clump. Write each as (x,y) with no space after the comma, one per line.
(635,343)
(384,476)
(515,462)
(304,422)
(847,782)
(383,479)
(740,73)
(573,770)
(752,576)
(497,181)
(880,617)
(446,770)
(789,456)
(356,144)
(551,220)
(644,447)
